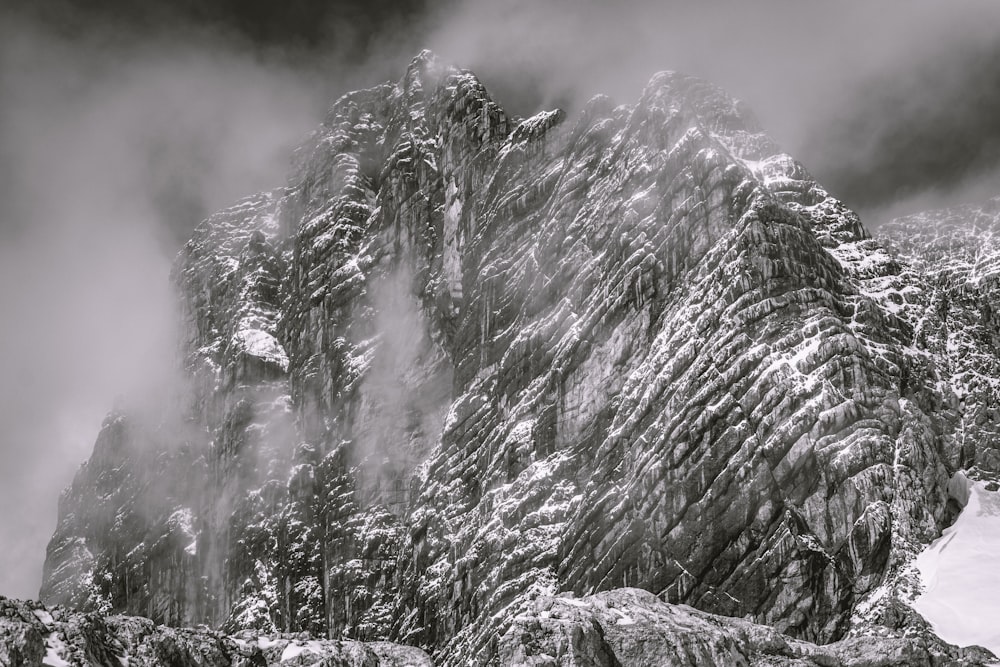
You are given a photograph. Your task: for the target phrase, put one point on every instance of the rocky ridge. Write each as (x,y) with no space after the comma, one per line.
(951,288)
(620,627)
(465,362)
(32,635)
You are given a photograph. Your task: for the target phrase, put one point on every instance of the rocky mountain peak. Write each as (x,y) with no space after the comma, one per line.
(464,370)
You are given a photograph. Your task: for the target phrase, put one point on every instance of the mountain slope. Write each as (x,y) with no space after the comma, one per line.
(32,635)
(953,257)
(464,360)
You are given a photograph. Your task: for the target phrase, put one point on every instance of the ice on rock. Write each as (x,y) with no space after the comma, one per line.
(55,649)
(261,345)
(181,522)
(44,616)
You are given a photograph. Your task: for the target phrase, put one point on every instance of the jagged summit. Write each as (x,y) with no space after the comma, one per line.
(463,362)
(424,65)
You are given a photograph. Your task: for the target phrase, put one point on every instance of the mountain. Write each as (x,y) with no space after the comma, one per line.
(502,388)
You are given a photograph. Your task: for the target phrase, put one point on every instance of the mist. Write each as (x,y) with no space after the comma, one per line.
(119,131)
(110,157)
(883,102)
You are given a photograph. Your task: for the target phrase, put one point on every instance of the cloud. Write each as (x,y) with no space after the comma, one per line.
(110,153)
(879,100)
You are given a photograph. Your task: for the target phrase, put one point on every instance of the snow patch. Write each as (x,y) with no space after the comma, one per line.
(182,522)
(262,345)
(293,651)
(55,648)
(961,598)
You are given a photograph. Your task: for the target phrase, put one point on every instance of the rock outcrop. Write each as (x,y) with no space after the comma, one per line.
(464,362)
(621,627)
(32,635)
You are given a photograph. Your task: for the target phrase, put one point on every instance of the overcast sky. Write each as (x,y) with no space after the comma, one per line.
(123,124)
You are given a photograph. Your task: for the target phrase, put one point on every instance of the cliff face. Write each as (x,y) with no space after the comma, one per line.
(952,290)
(463,362)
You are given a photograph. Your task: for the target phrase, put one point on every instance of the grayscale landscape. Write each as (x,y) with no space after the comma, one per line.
(499,333)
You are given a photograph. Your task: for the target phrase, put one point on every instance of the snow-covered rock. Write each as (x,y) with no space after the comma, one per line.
(35,636)
(463,362)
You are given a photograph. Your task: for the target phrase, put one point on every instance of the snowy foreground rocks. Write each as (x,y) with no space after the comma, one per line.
(463,362)
(622,627)
(32,635)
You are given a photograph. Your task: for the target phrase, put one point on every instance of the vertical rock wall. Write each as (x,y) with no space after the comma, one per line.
(463,360)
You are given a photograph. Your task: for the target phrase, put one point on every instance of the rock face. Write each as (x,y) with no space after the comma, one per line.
(465,362)
(952,290)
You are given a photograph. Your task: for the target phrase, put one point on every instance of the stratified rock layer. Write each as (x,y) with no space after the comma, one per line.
(953,303)
(633,627)
(464,360)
